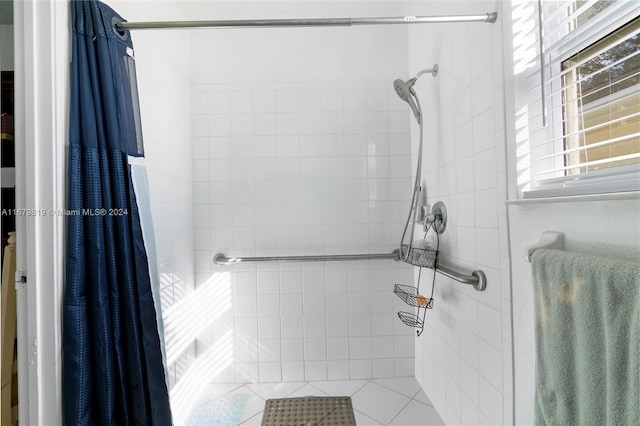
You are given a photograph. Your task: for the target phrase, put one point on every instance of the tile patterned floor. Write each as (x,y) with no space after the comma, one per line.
(397,401)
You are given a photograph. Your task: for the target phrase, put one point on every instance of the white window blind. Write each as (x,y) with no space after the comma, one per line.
(583,96)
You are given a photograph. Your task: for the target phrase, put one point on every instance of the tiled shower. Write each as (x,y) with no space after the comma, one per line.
(299,145)
(299,170)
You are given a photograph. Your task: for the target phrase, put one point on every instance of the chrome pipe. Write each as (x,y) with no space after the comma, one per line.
(221,259)
(313,22)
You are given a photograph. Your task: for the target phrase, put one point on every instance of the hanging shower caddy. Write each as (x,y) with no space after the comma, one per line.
(421,255)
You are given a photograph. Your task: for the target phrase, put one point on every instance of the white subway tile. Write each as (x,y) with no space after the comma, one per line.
(245,305)
(310,123)
(269,350)
(270,372)
(488,247)
(219,125)
(491,401)
(378,144)
(242,146)
(292,349)
(287,123)
(355,145)
(490,364)
(338,370)
(490,325)
(315,349)
(243,238)
(360,369)
(291,304)
(482,91)
(354,122)
(359,324)
(484,131)
(398,122)
(292,328)
(264,124)
(358,303)
(247,372)
(315,370)
(360,347)
(486,202)
(382,346)
(219,102)
(268,305)
(310,145)
(332,123)
(377,122)
(310,100)
(219,147)
(383,368)
(356,168)
(268,327)
(355,100)
(337,348)
(337,325)
(404,367)
(286,101)
(292,371)
(314,325)
(245,283)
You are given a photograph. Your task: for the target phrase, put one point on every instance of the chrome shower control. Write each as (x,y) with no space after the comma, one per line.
(438,218)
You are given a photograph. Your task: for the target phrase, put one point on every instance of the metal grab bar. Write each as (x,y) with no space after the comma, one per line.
(221,259)
(477,278)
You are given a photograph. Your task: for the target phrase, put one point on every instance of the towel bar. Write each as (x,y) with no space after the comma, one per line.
(548,240)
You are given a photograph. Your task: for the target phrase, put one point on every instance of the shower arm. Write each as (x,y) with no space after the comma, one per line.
(433,71)
(313,22)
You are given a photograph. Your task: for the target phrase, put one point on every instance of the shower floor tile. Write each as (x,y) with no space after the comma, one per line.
(375,402)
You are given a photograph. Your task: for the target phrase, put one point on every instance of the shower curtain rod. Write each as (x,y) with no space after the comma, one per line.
(314,22)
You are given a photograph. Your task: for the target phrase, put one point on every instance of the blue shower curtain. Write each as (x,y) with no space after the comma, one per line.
(113,371)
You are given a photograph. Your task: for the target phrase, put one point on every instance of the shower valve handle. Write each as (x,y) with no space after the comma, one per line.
(437,218)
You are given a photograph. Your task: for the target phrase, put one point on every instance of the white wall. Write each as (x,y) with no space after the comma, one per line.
(272,55)
(162,59)
(463,359)
(302,147)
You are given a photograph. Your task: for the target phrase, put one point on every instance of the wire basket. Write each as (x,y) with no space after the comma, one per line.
(422,257)
(410,319)
(410,296)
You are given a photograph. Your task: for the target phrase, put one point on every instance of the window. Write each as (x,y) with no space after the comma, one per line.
(601,105)
(586,86)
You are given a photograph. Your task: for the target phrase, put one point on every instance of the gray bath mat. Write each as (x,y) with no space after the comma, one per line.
(310,410)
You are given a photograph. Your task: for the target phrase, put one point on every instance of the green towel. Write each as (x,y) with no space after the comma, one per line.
(587,326)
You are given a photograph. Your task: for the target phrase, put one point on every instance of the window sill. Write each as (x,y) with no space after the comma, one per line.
(629,195)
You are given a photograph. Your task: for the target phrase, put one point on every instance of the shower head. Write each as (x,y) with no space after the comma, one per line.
(404,89)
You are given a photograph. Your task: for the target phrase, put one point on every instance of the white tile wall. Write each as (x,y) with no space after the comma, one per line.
(461,357)
(294,169)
